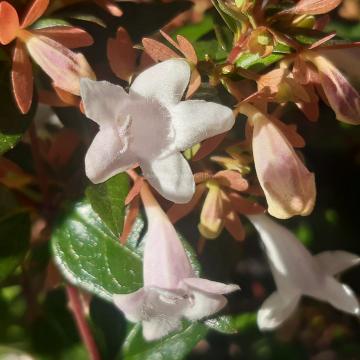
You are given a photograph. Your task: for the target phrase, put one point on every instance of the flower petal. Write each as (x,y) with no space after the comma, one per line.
(335,262)
(156,328)
(197,120)
(9,21)
(342,96)
(165,260)
(35,10)
(171,176)
(131,304)
(172,77)
(210,287)
(276,309)
(107,156)
(288,186)
(103,101)
(203,304)
(63,66)
(292,265)
(22,78)
(340,296)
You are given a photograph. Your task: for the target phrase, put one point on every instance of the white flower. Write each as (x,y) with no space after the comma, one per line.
(296,272)
(171,288)
(150,126)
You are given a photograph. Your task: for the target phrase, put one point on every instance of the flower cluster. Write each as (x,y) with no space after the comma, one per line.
(195,132)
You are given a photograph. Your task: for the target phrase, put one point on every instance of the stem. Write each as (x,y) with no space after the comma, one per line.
(81,323)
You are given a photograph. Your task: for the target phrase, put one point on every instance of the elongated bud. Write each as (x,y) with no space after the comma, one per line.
(288,186)
(342,96)
(211,221)
(62,65)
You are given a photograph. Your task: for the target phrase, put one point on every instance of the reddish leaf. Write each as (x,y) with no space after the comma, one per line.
(208,146)
(135,190)
(22,78)
(9,21)
(322,40)
(130,219)
(63,147)
(157,50)
(13,176)
(187,49)
(35,10)
(179,211)
(66,97)
(312,7)
(244,206)
(121,55)
(195,82)
(290,131)
(232,179)
(68,36)
(51,98)
(234,226)
(170,40)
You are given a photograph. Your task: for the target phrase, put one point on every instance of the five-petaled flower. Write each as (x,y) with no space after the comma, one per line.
(150,126)
(296,272)
(171,289)
(48,47)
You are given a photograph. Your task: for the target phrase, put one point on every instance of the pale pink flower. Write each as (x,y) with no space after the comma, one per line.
(297,272)
(171,288)
(150,126)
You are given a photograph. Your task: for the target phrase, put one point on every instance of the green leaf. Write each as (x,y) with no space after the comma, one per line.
(212,48)
(257,63)
(14,239)
(49,22)
(173,347)
(223,324)
(194,32)
(90,255)
(107,200)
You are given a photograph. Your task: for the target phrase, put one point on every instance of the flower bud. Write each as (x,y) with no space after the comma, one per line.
(288,186)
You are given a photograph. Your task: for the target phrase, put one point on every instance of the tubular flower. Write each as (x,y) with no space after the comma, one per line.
(288,186)
(171,288)
(340,93)
(222,204)
(150,126)
(47,47)
(296,273)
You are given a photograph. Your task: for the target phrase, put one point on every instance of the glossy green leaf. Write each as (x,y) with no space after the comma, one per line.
(173,347)
(14,239)
(212,48)
(45,22)
(257,63)
(223,324)
(194,32)
(90,256)
(107,200)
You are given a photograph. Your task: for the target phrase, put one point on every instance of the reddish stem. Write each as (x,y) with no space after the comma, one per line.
(82,325)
